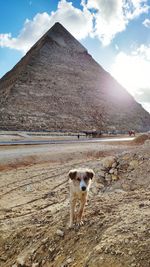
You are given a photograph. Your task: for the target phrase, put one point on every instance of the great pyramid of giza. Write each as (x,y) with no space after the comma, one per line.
(57,86)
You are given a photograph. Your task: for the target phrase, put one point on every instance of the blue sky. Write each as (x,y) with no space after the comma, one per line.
(115,32)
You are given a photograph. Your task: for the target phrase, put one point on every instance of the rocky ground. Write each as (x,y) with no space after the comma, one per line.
(34,212)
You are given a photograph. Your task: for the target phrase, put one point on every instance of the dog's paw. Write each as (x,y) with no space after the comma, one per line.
(81,223)
(71,226)
(75,225)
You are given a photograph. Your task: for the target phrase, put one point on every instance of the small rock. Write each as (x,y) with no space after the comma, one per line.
(51,249)
(114,165)
(44,240)
(126,241)
(115,172)
(118,252)
(3,258)
(133,164)
(21,260)
(108,177)
(111,171)
(29,188)
(108,161)
(36,264)
(48,216)
(43,262)
(114,177)
(60,232)
(69,260)
(6,247)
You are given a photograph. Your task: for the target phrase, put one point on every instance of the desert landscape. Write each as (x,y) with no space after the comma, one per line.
(34,205)
(59,110)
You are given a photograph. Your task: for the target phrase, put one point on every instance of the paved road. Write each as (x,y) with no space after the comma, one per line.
(43,142)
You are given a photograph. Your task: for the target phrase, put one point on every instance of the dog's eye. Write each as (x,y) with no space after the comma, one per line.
(78,179)
(86,178)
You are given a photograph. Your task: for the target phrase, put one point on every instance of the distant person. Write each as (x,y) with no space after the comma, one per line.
(78,136)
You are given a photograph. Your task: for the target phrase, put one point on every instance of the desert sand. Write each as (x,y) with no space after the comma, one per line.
(34,207)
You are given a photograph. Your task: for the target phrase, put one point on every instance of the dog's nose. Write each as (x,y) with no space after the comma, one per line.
(83,188)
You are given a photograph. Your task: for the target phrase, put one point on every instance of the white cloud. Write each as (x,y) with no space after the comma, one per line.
(143,51)
(109,20)
(135,8)
(30,33)
(112,16)
(132,71)
(78,22)
(146,23)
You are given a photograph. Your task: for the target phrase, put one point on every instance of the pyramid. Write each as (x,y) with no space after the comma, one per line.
(58,86)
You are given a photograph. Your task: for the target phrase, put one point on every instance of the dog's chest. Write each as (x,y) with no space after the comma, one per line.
(78,194)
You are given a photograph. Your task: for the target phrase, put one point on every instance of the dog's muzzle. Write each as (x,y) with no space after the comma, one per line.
(83,185)
(83,188)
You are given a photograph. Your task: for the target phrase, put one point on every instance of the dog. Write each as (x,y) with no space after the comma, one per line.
(80,181)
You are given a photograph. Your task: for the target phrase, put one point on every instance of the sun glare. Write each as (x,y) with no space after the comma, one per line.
(132,72)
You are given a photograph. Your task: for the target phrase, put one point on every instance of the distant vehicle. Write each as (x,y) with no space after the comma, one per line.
(131,133)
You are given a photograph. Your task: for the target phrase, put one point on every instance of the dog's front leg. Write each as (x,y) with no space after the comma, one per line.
(81,210)
(72,211)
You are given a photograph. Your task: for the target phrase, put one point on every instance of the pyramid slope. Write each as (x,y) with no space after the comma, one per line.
(58,86)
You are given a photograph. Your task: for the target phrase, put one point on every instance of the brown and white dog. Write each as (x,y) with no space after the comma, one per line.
(80,181)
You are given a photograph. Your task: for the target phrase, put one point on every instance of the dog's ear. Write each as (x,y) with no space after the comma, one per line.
(72,174)
(90,174)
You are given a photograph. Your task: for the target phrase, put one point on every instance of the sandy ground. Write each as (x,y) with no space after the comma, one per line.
(25,155)
(34,211)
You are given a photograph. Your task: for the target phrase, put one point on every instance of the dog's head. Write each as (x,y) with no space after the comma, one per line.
(81,178)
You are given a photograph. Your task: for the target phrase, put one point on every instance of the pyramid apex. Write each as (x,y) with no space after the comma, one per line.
(64,38)
(57,23)
(57,26)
